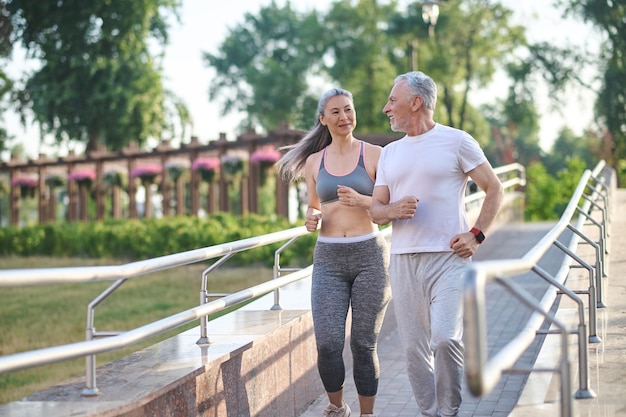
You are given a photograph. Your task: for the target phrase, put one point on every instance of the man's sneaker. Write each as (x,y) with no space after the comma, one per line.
(333,411)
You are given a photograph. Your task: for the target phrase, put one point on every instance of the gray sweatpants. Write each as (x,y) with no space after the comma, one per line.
(349,274)
(427,293)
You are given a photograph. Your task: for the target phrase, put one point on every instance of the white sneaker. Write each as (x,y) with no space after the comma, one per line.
(333,411)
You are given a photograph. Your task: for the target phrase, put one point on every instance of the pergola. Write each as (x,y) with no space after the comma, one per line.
(102,173)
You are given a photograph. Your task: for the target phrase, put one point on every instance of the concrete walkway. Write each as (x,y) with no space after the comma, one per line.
(523,395)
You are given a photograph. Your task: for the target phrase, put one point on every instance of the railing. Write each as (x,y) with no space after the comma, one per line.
(483,373)
(511,176)
(121,273)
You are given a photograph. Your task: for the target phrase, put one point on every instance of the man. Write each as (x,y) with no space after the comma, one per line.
(431,243)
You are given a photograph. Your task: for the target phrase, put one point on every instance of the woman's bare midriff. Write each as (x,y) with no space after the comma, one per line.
(341,221)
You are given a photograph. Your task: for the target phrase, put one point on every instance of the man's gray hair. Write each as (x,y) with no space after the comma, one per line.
(421,85)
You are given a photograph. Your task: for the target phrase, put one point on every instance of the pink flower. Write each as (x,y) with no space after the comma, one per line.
(148,170)
(82,175)
(206,164)
(267,153)
(24,181)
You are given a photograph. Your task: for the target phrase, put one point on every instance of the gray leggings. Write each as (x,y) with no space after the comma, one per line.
(349,273)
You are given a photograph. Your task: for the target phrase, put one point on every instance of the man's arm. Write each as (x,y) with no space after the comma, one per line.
(465,244)
(383,212)
(485,177)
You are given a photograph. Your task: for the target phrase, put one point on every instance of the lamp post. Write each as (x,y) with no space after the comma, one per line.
(430,15)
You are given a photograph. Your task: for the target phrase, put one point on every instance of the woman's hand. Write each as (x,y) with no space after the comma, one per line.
(312,221)
(349,197)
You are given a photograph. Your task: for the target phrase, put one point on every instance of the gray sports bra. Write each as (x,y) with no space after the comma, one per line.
(359,180)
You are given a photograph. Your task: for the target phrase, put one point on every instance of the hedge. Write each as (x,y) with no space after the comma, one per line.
(130,240)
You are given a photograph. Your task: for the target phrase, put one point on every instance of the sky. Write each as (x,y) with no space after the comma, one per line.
(205,23)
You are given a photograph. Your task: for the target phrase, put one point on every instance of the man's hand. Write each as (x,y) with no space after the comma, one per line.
(464,244)
(404,208)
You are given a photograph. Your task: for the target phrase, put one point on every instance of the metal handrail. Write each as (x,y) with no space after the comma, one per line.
(121,273)
(65,275)
(24,360)
(99,342)
(483,373)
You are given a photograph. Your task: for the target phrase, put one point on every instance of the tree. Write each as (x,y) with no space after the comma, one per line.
(610,18)
(472,38)
(262,67)
(98,81)
(568,146)
(547,196)
(6,84)
(514,121)
(359,53)
(5,87)
(542,193)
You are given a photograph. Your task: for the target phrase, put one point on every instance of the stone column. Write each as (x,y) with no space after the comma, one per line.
(100,191)
(132,191)
(42,200)
(72,194)
(14,215)
(194,191)
(213,197)
(165,188)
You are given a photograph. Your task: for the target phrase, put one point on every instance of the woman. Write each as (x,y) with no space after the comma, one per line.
(350,258)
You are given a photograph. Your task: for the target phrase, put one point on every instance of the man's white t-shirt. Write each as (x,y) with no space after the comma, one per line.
(432,167)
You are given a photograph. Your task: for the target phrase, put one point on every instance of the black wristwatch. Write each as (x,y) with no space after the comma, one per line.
(480,236)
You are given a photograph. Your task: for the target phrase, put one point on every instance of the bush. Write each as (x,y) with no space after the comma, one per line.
(131,240)
(548,196)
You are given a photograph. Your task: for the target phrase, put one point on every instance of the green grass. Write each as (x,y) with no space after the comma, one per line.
(44,316)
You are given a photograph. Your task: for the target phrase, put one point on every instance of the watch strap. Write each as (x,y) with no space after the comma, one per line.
(478,234)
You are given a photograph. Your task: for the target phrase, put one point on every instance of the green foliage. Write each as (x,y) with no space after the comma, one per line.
(547,196)
(515,121)
(272,51)
(541,194)
(264,64)
(621,172)
(608,17)
(568,146)
(359,55)
(6,84)
(98,82)
(149,238)
(472,37)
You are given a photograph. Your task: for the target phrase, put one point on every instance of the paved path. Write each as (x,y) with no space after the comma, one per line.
(505,314)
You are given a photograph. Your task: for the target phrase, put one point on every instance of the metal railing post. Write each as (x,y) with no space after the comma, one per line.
(91,390)
(277,270)
(204,296)
(593,303)
(583,355)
